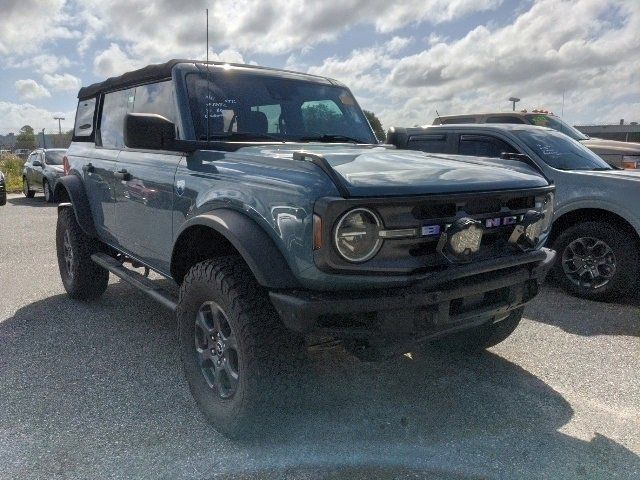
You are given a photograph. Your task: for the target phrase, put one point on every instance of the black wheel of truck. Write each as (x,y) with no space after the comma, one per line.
(48,194)
(26,189)
(237,355)
(3,198)
(596,260)
(82,278)
(482,337)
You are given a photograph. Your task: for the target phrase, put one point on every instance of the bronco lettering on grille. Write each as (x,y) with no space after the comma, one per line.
(434,230)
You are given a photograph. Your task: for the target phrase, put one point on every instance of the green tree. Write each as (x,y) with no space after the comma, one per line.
(26,138)
(376,124)
(319,118)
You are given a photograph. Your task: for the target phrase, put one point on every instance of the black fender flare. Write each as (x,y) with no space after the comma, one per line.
(75,193)
(250,240)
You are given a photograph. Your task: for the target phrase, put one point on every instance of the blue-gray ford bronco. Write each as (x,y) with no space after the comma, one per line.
(266,197)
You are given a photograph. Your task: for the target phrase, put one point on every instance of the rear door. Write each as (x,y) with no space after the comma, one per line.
(145,192)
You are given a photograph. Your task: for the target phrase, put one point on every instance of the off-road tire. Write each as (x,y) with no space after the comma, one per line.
(268,355)
(480,338)
(48,193)
(82,278)
(626,258)
(26,190)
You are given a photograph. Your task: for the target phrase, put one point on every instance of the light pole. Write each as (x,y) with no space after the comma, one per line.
(514,100)
(59,124)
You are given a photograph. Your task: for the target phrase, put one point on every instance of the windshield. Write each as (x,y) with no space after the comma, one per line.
(556,123)
(561,152)
(257,106)
(54,157)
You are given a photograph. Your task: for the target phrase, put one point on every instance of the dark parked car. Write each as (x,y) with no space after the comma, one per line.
(3,189)
(265,196)
(618,154)
(596,229)
(41,172)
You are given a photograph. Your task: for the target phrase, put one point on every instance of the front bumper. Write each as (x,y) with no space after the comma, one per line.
(437,304)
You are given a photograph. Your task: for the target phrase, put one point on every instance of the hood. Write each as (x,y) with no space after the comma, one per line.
(600,145)
(384,171)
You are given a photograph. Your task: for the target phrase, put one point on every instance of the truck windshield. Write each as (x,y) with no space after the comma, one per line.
(255,106)
(561,152)
(556,123)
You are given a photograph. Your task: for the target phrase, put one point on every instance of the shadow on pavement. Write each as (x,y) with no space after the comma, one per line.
(37,201)
(97,387)
(584,317)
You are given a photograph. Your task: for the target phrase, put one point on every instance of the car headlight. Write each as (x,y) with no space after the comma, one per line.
(536,224)
(356,235)
(630,162)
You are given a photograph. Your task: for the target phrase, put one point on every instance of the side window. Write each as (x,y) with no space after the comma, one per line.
(430,143)
(272,114)
(483,146)
(84,118)
(321,116)
(114,108)
(504,119)
(156,98)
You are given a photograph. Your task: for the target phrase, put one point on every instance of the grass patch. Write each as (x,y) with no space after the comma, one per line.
(11,166)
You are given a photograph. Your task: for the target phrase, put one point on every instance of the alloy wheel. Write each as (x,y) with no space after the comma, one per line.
(68,253)
(589,262)
(216,349)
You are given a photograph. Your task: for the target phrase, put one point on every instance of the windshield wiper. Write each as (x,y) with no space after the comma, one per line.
(241,136)
(330,138)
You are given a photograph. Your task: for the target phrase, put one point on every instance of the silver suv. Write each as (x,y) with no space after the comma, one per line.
(618,154)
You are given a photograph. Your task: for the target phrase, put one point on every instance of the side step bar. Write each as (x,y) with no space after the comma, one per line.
(134,278)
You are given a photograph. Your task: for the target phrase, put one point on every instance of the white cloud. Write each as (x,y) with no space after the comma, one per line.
(64,82)
(586,49)
(30,89)
(114,61)
(42,63)
(27,25)
(15,115)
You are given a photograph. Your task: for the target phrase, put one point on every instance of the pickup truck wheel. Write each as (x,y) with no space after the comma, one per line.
(596,261)
(3,198)
(26,189)
(237,355)
(482,337)
(82,278)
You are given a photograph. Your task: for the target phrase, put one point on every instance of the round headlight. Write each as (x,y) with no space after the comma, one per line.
(356,235)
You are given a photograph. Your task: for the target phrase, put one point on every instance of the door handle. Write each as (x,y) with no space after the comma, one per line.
(122,175)
(89,168)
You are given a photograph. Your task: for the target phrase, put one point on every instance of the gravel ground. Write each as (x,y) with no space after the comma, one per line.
(96,391)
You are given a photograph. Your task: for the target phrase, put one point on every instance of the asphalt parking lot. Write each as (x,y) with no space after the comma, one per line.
(96,391)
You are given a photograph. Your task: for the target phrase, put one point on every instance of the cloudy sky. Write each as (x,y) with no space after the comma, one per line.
(404,60)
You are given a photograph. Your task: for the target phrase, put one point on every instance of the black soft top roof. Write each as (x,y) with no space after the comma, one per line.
(160,71)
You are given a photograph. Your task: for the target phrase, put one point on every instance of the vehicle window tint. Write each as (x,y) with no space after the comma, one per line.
(84,118)
(483,146)
(447,121)
(114,108)
(321,116)
(429,143)
(273,114)
(504,119)
(156,98)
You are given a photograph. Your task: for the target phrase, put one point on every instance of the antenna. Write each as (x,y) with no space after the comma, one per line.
(437,114)
(208,78)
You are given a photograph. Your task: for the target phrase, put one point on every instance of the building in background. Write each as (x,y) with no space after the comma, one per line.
(625,132)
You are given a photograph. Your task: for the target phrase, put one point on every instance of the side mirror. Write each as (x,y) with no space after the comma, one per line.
(37,163)
(148,131)
(517,156)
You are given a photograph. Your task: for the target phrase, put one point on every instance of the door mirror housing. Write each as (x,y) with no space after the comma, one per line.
(149,131)
(37,163)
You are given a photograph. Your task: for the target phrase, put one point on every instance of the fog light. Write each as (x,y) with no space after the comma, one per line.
(461,240)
